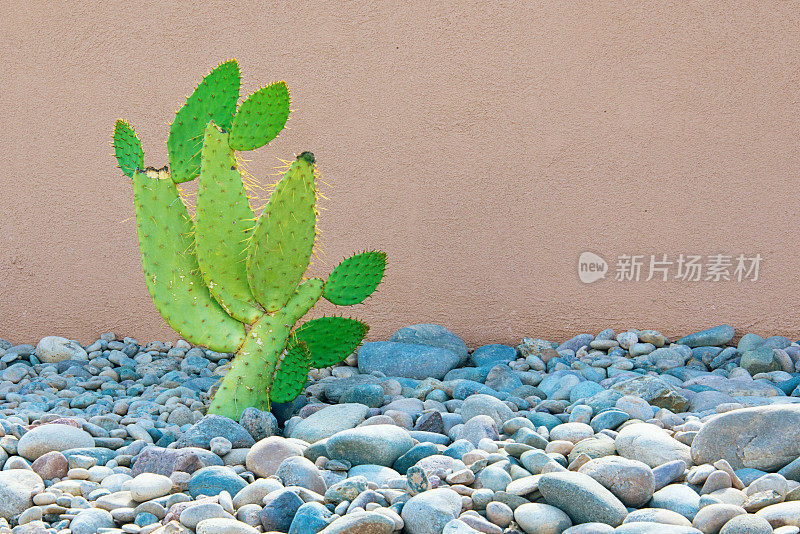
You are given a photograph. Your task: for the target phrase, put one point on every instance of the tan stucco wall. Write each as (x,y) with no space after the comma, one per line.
(484,145)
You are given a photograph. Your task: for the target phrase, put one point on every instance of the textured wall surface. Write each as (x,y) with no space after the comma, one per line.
(483,145)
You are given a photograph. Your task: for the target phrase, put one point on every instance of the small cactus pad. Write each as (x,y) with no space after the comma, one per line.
(171,269)
(224,223)
(331,339)
(283,239)
(355,278)
(291,373)
(261,117)
(127,148)
(214,99)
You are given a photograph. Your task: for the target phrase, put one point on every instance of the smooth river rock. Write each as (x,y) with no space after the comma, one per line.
(762,437)
(583,498)
(650,444)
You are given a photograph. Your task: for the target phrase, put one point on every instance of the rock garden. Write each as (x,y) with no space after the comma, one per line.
(625,432)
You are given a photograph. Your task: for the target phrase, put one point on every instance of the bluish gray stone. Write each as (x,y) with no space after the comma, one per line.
(718,335)
(258,424)
(772,437)
(415,454)
(610,419)
(581,340)
(493,354)
(310,518)
(503,378)
(467,388)
(328,421)
(372,444)
(429,512)
(368,394)
(90,521)
(407,360)
(760,360)
(678,498)
(435,336)
(584,390)
(583,499)
(458,448)
(212,426)
(214,479)
(668,472)
(750,342)
(278,514)
(546,419)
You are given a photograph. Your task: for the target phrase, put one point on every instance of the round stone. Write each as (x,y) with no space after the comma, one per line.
(678,498)
(279,510)
(584,499)
(50,465)
(651,445)
(300,471)
(373,444)
(775,440)
(572,432)
(149,486)
(53,349)
(90,521)
(630,480)
(429,512)
(499,513)
(747,524)
(192,515)
(266,456)
(328,421)
(220,525)
(538,518)
(17,486)
(361,523)
(52,437)
(710,519)
(213,479)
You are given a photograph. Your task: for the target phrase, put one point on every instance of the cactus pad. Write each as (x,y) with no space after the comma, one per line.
(127,148)
(170,265)
(291,373)
(214,99)
(224,223)
(281,245)
(261,117)
(356,278)
(331,339)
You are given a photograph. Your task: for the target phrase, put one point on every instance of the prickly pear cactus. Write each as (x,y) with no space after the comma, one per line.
(212,276)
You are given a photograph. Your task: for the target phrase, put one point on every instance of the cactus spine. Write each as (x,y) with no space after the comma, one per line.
(211,277)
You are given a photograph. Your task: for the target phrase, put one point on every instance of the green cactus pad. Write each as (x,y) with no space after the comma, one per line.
(331,339)
(214,99)
(356,278)
(127,148)
(249,380)
(291,373)
(224,223)
(261,117)
(280,248)
(170,265)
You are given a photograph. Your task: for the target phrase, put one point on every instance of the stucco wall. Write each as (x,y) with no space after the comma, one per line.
(484,145)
